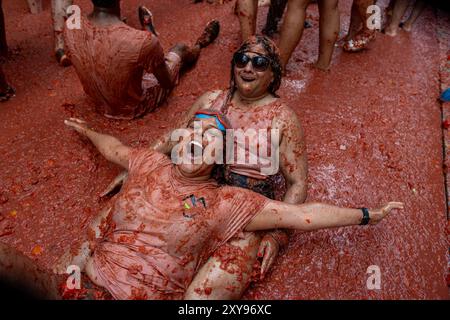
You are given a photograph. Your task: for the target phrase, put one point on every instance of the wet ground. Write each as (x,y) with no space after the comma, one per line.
(373,131)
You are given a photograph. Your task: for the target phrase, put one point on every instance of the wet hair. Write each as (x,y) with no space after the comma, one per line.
(105,3)
(272,53)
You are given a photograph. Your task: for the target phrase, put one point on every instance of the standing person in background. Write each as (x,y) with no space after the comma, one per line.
(247,11)
(293,25)
(359,35)
(3,42)
(274,16)
(398,9)
(59,16)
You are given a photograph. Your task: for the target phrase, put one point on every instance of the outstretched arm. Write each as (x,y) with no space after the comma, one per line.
(163,144)
(111,148)
(314,216)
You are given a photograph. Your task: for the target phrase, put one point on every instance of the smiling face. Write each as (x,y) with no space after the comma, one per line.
(196,161)
(251,83)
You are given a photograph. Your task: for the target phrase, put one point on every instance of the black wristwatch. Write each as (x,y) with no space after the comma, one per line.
(366,218)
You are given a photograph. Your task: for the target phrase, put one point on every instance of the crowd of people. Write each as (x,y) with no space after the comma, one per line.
(167,232)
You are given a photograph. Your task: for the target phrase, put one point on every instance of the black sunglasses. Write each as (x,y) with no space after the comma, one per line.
(259,63)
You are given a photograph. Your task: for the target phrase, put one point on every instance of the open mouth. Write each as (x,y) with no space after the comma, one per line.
(247,78)
(195,149)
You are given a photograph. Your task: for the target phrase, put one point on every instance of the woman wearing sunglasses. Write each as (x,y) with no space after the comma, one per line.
(250,103)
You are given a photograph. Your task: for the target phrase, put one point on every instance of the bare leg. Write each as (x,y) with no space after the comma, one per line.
(292,29)
(247,11)
(417,10)
(398,11)
(390,9)
(274,16)
(188,55)
(355,21)
(35,6)
(59,14)
(222,278)
(359,35)
(328,31)
(3,43)
(3,84)
(59,8)
(359,17)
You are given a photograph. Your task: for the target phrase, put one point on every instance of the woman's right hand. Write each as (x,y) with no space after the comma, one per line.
(78,125)
(376,215)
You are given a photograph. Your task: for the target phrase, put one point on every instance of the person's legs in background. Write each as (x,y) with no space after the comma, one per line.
(59,15)
(359,35)
(292,28)
(328,32)
(35,6)
(398,10)
(358,18)
(247,11)
(3,42)
(417,10)
(274,16)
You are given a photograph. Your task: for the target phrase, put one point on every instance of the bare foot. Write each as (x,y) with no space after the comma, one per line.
(320,66)
(391,31)
(406,26)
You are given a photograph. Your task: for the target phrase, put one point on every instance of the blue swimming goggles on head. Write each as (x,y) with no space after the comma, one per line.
(208,115)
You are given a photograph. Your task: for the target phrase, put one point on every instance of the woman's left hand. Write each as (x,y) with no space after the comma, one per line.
(268,250)
(78,125)
(376,215)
